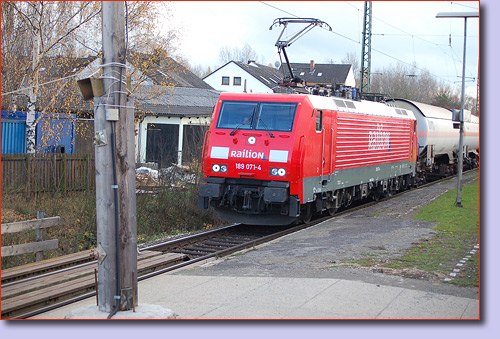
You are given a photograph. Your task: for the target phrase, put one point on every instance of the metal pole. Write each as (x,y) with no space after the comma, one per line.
(366,50)
(463,15)
(458,203)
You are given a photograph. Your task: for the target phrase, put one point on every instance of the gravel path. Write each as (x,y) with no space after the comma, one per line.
(383,231)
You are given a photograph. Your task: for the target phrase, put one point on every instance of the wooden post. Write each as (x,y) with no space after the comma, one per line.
(39,235)
(115,170)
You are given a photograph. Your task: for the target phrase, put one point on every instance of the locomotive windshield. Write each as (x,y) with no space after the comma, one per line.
(266,116)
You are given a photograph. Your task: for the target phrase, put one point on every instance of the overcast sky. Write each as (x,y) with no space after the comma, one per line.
(407,32)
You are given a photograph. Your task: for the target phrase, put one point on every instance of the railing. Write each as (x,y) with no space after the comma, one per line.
(40,245)
(34,173)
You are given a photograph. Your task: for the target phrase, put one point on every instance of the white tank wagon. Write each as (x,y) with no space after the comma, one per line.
(438,139)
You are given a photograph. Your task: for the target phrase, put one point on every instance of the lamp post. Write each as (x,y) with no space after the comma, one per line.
(463,15)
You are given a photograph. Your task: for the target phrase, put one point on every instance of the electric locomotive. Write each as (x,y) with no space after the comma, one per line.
(273,159)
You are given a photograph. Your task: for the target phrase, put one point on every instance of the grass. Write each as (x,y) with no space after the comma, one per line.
(456,233)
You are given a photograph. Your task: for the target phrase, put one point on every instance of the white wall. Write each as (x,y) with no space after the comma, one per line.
(350,80)
(232,70)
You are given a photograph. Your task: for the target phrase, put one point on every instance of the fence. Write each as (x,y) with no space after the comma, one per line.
(34,173)
(40,245)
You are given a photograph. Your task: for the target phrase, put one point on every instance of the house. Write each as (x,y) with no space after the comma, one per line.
(245,77)
(323,75)
(255,78)
(173,108)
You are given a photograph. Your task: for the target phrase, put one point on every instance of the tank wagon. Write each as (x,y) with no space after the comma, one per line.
(438,139)
(273,159)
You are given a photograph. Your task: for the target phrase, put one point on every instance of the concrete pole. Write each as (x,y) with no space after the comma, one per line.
(115,171)
(464,15)
(180,142)
(458,202)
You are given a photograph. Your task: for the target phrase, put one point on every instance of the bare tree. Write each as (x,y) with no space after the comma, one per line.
(42,39)
(244,54)
(49,29)
(413,83)
(353,59)
(405,82)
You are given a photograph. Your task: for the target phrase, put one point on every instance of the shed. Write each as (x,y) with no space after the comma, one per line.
(13,132)
(172,122)
(54,133)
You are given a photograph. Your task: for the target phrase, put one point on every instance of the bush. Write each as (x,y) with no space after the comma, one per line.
(171,210)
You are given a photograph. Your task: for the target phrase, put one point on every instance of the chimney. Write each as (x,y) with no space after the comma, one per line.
(311,66)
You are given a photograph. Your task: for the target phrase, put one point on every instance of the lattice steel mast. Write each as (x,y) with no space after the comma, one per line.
(366,51)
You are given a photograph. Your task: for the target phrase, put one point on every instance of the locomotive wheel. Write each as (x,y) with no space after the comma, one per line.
(331,211)
(306,213)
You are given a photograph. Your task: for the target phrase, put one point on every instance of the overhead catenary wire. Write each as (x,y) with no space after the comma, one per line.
(443,78)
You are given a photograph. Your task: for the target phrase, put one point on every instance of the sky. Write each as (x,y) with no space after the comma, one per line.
(405,32)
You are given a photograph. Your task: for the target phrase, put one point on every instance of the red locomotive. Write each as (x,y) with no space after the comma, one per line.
(272,159)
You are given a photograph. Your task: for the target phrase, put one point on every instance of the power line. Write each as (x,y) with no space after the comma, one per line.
(279,9)
(39,85)
(460,4)
(374,49)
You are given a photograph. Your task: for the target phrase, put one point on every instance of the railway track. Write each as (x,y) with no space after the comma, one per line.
(39,287)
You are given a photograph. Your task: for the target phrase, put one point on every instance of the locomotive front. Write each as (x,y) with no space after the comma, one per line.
(247,159)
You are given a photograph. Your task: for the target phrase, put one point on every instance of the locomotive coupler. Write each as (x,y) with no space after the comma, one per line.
(247,200)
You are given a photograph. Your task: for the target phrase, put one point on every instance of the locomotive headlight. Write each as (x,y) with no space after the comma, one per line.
(219,168)
(281,172)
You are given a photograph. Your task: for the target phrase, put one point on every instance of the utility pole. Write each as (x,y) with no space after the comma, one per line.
(463,15)
(366,50)
(115,171)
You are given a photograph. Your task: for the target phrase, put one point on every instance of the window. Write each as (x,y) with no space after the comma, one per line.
(263,116)
(319,121)
(225,80)
(237,81)
(276,116)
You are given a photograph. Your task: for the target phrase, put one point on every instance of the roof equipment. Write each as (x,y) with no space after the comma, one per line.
(282,44)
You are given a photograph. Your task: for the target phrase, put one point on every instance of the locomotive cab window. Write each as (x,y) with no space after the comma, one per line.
(319,121)
(264,116)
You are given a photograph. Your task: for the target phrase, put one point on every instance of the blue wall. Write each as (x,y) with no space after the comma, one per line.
(13,132)
(54,133)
